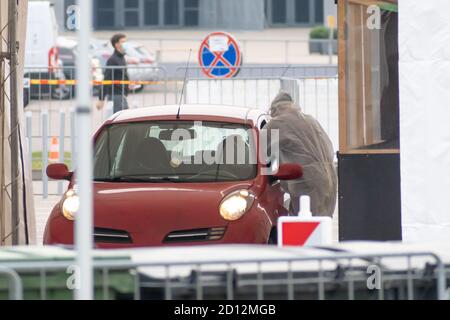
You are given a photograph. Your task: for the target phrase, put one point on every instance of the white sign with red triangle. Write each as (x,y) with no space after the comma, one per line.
(304,229)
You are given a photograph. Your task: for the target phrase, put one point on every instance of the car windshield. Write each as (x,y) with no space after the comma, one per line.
(175,151)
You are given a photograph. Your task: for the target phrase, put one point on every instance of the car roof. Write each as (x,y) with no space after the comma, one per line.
(208,110)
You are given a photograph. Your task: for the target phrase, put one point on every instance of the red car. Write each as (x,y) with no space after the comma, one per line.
(205,186)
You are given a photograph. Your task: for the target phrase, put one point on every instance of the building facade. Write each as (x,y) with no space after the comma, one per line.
(226,14)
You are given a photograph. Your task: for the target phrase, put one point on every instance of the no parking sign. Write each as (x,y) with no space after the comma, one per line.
(219,55)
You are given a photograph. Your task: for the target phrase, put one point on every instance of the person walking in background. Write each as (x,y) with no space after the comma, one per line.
(116,69)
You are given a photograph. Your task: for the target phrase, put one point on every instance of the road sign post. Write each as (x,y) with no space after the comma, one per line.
(331,25)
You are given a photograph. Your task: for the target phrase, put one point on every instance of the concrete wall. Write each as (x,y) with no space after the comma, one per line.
(232,14)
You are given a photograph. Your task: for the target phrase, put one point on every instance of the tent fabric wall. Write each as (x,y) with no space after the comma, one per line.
(424,67)
(25,189)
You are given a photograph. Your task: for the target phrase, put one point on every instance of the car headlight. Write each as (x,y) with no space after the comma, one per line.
(234,205)
(70,205)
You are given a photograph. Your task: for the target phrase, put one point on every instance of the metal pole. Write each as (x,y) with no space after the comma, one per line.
(73,132)
(330,46)
(13,44)
(29,120)
(62,134)
(83,221)
(286,51)
(15,283)
(44,158)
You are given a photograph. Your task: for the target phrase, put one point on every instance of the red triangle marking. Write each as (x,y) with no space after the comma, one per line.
(297,233)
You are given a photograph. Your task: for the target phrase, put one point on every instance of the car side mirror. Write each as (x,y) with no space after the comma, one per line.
(288,171)
(58,171)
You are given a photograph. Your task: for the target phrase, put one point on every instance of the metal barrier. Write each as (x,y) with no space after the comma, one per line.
(264,71)
(264,50)
(58,83)
(418,275)
(316,96)
(15,283)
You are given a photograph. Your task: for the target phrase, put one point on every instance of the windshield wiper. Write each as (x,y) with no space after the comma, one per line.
(216,177)
(138,178)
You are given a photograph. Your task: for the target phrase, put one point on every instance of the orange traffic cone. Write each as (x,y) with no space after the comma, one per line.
(54,150)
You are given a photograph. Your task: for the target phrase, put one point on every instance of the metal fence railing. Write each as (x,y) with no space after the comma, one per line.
(262,50)
(317,96)
(15,286)
(263,71)
(55,85)
(401,276)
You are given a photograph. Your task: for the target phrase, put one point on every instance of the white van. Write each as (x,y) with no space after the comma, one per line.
(41,53)
(42,33)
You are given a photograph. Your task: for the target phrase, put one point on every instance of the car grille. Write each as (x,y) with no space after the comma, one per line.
(111,235)
(205,234)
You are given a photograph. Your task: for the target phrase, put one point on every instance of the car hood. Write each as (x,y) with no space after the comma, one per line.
(160,208)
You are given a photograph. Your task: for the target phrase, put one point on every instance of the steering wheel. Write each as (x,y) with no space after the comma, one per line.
(214,172)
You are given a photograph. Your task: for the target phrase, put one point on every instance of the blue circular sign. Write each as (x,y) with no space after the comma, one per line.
(219,55)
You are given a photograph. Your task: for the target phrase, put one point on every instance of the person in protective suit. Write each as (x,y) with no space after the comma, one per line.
(302,140)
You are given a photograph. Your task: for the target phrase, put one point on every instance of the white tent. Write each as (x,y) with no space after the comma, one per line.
(424,67)
(26,225)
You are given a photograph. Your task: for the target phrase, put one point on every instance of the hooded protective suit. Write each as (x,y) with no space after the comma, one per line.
(302,140)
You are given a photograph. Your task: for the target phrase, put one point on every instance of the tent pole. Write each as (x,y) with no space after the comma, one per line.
(14,141)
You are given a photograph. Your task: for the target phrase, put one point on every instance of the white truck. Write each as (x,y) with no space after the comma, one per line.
(41,53)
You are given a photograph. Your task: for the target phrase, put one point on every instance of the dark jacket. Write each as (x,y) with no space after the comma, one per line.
(116,60)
